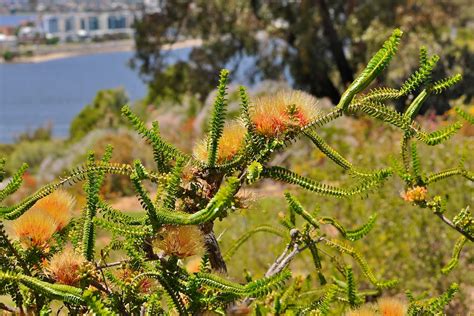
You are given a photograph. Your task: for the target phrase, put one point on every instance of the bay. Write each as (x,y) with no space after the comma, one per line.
(33,95)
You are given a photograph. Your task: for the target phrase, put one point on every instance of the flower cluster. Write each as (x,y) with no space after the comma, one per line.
(416,194)
(49,215)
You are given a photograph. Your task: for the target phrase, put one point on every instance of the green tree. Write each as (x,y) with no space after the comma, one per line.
(103,112)
(320,43)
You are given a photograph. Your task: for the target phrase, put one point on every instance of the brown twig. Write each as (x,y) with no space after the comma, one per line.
(8,308)
(451,224)
(285,258)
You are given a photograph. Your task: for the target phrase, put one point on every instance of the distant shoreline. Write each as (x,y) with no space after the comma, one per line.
(62,51)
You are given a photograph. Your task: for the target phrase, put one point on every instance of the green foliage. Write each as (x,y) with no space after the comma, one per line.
(322,306)
(373,69)
(468,117)
(255,288)
(346,249)
(159,145)
(92,186)
(328,151)
(2,168)
(464,221)
(14,184)
(215,208)
(239,242)
(437,137)
(420,76)
(444,84)
(254,171)
(433,306)
(285,175)
(95,305)
(416,162)
(172,185)
(296,207)
(62,292)
(351,235)
(217,118)
(103,112)
(303,31)
(455,257)
(351,288)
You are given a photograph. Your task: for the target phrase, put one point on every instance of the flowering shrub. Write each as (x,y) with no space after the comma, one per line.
(149,267)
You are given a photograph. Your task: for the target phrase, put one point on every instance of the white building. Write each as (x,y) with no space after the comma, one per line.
(74,26)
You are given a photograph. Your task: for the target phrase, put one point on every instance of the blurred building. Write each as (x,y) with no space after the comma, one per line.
(80,25)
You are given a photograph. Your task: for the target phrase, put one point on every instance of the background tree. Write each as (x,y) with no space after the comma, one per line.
(283,38)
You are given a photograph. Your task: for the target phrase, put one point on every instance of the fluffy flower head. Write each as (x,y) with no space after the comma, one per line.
(277,114)
(389,306)
(180,241)
(34,228)
(58,205)
(232,140)
(65,267)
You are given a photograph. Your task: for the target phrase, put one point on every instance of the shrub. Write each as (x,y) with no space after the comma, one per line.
(9,55)
(103,112)
(192,192)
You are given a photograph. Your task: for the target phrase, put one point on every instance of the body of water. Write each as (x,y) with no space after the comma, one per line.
(33,95)
(54,92)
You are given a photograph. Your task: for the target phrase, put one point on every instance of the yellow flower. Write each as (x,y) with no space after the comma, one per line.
(277,114)
(232,140)
(59,205)
(389,306)
(65,267)
(34,228)
(180,241)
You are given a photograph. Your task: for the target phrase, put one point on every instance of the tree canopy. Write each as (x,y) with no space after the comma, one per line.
(318,45)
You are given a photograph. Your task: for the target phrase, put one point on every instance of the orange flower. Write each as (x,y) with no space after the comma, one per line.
(230,143)
(34,228)
(65,267)
(416,194)
(180,241)
(194,265)
(58,205)
(285,111)
(391,307)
